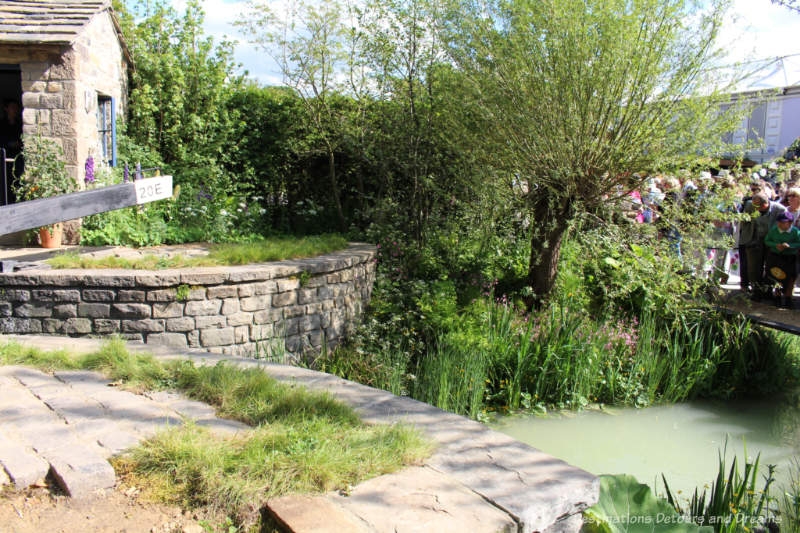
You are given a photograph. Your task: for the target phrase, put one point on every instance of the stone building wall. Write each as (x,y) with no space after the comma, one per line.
(60,86)
(233,310)
(100,70)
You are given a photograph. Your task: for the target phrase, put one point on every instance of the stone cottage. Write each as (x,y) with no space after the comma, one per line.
(66,63)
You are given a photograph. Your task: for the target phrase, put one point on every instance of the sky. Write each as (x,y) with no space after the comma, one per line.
(755,30)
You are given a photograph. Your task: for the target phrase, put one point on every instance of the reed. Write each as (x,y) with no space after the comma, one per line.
(568,359)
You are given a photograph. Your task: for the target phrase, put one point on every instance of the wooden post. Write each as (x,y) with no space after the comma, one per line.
(46,211)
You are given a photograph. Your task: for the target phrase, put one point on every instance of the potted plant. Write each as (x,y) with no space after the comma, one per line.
(45,176)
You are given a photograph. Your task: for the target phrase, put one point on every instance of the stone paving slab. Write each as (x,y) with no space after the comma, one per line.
(79,466)
(20,465)
(535,488)
(80,470)
(537,491)
(133,412)
(419,500)
(300,513)
(68,424)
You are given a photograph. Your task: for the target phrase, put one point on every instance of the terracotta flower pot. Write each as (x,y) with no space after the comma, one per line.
(50,236)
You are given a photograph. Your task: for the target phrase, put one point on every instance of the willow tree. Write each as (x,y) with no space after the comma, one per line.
(575,96)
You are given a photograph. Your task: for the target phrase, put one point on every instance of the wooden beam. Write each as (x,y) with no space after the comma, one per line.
(45,211)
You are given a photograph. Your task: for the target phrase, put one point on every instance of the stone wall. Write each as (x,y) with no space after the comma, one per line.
(60,86)
(234,310)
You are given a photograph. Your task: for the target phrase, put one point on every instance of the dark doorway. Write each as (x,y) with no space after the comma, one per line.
(10,130)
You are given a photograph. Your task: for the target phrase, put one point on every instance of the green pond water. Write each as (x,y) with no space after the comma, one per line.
(682,440)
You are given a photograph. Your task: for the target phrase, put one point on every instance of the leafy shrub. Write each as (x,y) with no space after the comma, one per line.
(45,170)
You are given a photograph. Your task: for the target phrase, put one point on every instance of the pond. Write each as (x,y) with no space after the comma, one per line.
(681,440)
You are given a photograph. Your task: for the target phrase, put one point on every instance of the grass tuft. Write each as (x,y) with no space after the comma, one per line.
(16,354)
(302,441)
(277,249)
(192,467)
(253,397)
(272,249)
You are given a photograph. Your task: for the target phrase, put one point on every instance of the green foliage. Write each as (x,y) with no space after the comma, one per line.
(191,217)
(625,327)
(619,276)
(735,503)
(192,467)
(580,94)
(180,119)
(627,506)
(277,249)
(113,359)
(45,170)
(789,501)
(362,137)
(181,71)
(182,292)
(131,226)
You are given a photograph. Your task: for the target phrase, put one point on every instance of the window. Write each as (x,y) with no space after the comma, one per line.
(727,137)
(757,126)
(106,129)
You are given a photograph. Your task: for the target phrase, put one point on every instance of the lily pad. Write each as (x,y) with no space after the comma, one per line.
(627,506)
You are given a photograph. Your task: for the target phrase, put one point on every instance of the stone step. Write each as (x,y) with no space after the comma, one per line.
(538,490)
(413,500)
(84,415)
(300,513)
(77,465)
(133,413)
(19,464)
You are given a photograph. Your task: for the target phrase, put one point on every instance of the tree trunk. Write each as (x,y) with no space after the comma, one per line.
(550,222)
(335,188)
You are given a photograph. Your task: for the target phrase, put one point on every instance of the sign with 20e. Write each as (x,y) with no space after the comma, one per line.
(152,189)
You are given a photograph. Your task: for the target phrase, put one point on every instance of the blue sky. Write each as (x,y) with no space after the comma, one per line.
(756,29)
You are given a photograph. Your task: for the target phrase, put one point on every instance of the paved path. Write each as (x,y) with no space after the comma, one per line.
(764,312)
(477,480)
(68,424)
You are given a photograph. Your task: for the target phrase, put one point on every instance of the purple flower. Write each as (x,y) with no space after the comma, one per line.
(126,173)
(89,170)
(138,174)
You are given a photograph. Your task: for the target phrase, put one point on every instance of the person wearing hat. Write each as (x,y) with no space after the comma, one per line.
(783,241)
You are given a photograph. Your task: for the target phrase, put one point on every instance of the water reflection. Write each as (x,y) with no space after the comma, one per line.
(682,441)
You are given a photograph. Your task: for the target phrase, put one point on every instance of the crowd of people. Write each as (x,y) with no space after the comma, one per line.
(747,222)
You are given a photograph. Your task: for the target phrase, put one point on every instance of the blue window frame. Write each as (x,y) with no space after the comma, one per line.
(107,129)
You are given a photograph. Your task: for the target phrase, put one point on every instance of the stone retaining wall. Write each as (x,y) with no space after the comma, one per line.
(243,310)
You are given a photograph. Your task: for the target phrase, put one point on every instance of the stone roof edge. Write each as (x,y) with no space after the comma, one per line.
(107,7)
(121,37)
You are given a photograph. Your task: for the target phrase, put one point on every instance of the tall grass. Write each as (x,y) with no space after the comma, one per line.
(737,501)
(789,502)
(567,359)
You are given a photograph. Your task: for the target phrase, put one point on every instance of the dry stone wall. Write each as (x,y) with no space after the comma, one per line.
(245,310)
